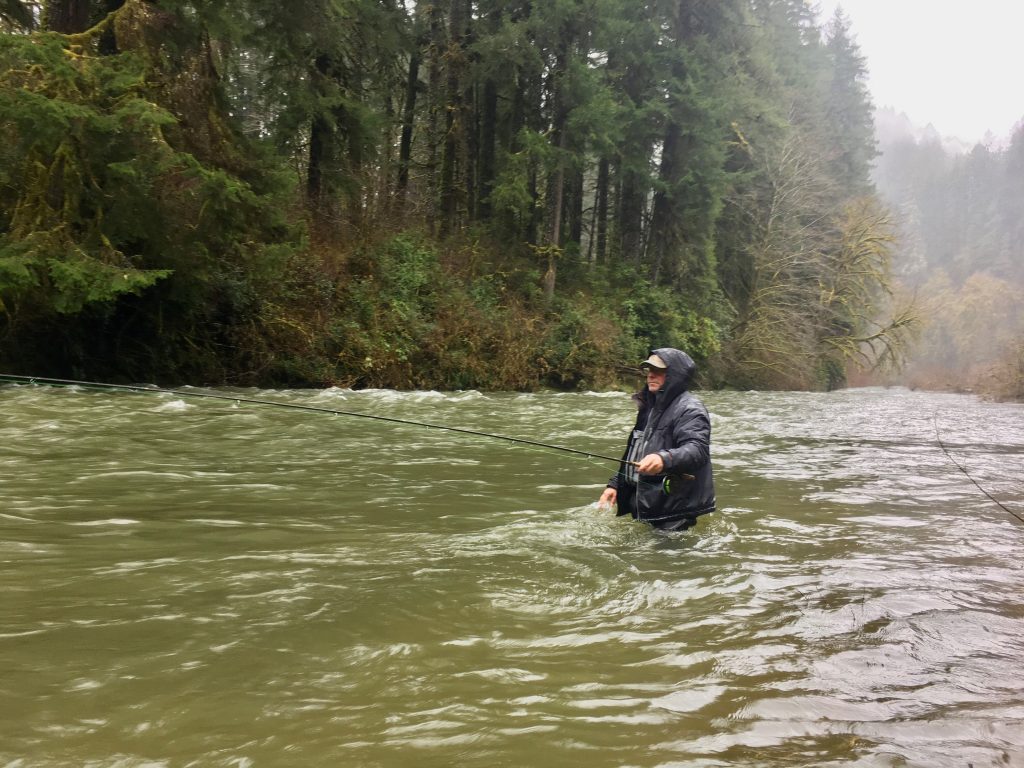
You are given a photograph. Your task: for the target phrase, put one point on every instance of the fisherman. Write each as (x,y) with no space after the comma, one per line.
(665,476)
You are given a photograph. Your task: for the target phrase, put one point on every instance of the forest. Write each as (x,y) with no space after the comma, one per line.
(961,242)
(493,194)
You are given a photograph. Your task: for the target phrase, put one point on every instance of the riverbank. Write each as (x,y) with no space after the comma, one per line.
(1001,381)
(402,312)
(399,313)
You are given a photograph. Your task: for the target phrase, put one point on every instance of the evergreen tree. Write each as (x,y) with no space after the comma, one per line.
(666,171)
(325,98)
(849,111)
(129,200)
(691,178)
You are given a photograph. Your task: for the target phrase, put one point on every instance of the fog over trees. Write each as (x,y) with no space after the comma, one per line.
(960,218)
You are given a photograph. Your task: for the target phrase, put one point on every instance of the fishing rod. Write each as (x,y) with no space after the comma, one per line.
(40,380)
(962,468)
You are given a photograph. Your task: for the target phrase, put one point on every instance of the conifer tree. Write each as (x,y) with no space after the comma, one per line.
(849,111)
(132,197)
(687,199)
(632,149)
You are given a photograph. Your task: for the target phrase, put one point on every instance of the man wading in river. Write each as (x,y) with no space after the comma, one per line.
(665,477)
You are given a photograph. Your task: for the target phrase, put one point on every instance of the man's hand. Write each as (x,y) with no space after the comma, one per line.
(608,498)
(651,464)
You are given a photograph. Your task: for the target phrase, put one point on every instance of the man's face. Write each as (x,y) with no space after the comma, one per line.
(655,379)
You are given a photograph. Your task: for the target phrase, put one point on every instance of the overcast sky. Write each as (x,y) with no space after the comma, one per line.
(927,58)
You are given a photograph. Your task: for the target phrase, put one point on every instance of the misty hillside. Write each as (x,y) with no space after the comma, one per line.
(892,127)
(960,249)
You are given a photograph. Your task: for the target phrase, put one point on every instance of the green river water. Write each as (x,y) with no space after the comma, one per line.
(202,583)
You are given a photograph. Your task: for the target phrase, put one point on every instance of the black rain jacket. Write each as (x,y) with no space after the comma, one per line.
(673,423)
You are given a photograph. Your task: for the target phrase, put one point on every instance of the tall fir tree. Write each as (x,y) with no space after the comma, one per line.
(849,111)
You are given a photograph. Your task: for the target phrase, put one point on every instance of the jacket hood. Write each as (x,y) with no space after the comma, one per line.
(681,370)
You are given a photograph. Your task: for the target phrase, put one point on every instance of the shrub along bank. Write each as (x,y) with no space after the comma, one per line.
(406,314)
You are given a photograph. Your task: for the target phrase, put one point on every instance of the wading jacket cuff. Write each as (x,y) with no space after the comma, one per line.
(666,458)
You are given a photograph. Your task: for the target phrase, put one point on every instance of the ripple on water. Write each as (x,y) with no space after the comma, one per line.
(454,601)
(691,700)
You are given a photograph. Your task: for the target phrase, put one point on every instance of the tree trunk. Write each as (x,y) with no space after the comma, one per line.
(321,139)
(555,189)
(408,116)
(632,194)
(453,162)
(601,212)
(352,165)
(667,214)
(488,142)
(574,207)
(531,88)
(66,16)
(435,99)
(108,38)
(470,149)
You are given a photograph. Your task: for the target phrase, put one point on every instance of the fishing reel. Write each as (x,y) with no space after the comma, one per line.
(674,484)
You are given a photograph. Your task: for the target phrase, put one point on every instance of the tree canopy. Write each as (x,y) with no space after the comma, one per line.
(492,193)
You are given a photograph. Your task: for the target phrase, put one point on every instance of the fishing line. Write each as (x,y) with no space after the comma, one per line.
(295,406)
(993,499)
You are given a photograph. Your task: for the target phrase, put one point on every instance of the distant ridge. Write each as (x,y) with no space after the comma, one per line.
(892,127)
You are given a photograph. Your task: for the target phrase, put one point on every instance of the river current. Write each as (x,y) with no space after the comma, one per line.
(192,582)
